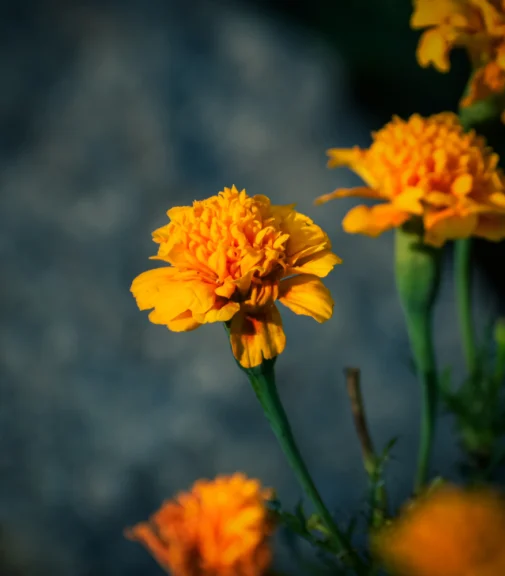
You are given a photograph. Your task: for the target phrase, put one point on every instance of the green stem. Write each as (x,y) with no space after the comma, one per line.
(417,278)
(263,382)
(419,329)
(464,302)
(499,337)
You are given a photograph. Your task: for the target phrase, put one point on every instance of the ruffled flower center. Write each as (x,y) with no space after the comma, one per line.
(228,238)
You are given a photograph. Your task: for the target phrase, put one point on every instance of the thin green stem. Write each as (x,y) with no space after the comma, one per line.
(263,383)
(464,302)
(419,329)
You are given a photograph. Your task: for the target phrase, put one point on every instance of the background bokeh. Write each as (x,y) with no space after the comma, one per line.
(111,113)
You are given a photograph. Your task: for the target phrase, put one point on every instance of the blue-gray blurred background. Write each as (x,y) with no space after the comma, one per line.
(111,113)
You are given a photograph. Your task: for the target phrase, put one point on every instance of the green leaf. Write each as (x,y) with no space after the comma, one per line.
(386,451)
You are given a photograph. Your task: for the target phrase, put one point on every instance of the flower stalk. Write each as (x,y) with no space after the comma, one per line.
(463,272)
(479,112)
(262,379)
(417,279)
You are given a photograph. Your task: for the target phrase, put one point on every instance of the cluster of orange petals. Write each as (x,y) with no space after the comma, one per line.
(231,258)
(219,528)
(449,532)
(477,25)
(430,169)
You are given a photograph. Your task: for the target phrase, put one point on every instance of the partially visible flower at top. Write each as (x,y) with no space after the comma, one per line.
(219,528)
(425,168)
(477,25)
(232,256)
(449,531)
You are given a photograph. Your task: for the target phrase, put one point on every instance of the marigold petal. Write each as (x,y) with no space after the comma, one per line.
(353,158)
(244,282)
(500,55)
(498,199)
(361,191)
(251,259)
(375,220)
(307,295)
(439,199)
(432,217)
(180,213)
(146,287)
(433,48)
(182,323)
(450,227)
(409,201)
(218,263)
(222,312)
(171,297)
(486,81)
(490,227)
(282,211)
(432,12)
(257,337)
(227,289)
(319,264)
(305,253)
(462,185)
(145,534)
(344,156)
(304,237)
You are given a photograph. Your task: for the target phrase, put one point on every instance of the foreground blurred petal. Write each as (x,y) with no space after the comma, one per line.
(450,531)
(221,527)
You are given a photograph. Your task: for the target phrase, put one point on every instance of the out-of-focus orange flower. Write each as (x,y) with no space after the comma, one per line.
(219,528)
(232,256)
(425,168)
(477,25)
(450,531)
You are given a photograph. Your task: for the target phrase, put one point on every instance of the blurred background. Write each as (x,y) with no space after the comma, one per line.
(111,113)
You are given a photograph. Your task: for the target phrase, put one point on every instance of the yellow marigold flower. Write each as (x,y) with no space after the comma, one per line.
(450,531)
(425,168)
(219,528)
(232,256)
(479,26)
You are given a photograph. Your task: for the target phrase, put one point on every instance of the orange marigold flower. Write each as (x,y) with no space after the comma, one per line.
(450,531)
(219,528)
(425,168)
(477,25)
(232,256)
